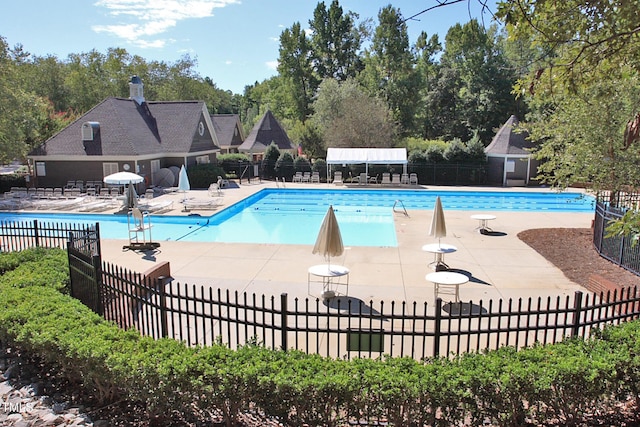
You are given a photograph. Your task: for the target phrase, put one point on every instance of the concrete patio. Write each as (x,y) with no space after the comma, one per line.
(499,264)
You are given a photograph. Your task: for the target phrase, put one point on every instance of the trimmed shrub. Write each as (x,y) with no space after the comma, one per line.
(563,382)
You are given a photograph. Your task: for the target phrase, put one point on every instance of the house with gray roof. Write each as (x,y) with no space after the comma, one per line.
(509,158)
(127,134)
(265,132)
(229,131)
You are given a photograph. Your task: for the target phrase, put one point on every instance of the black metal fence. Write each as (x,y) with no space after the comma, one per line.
(20,235)
(621,250)
(85,263)
(444,173)
(345,327)
(341,327)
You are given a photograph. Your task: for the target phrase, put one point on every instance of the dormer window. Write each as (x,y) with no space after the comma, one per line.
(90,130)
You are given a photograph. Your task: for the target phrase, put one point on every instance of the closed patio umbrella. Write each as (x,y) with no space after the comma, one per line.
(183,182)
(438,228)
(131,197)
(329,240)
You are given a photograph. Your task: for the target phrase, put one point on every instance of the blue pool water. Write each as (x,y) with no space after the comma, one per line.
(293,216)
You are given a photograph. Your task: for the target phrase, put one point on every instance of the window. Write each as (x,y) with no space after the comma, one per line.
(109,168)
(202,160)
(89,129)
(41,170)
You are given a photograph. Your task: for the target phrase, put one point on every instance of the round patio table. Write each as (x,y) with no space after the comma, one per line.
(483,219)
(439,250)
(330,276)
(447,282)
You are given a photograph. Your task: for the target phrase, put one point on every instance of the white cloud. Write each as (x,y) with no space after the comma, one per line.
(142,19)
(272,65)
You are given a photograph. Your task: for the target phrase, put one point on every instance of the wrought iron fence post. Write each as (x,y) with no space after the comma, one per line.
(437,328)
(577,309)
(36,233)
(164,324)
(283,320)
(96,260)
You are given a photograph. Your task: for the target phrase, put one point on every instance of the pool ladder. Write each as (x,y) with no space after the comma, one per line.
(404,210)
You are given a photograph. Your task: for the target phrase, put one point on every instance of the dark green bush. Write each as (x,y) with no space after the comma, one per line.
(36,267)
(203,175)
(537,385)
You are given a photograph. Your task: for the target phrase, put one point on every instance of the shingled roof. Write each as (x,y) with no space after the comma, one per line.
(266,131)
(508,142)
(127,128)
(225,126)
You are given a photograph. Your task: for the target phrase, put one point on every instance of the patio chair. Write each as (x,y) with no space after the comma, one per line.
(337,178)
(222,182)
(413,179)
(297,177)
(362,179)
(306,177)
(404,179)
(315,177)
(386,179)
(395,179)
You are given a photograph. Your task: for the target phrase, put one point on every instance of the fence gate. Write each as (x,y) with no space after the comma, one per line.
(85,267)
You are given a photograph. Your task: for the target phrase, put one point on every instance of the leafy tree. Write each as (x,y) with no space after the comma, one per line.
(575,38)
(336,42)
(426,50)
(582,87)
(347,117)
(311,140)
(581,135)
(23,114)
(295,66)
(443,104)
(389,72)
(484,99)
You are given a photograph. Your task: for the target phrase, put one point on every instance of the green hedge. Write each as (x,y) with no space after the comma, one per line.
(562,382)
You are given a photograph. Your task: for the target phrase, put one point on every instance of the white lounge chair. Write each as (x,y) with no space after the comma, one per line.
(315,177)
(95,206)
(413,179)
(395,179)
(190,204)
(297,177)
(404,179)
(386,179)
(157,206)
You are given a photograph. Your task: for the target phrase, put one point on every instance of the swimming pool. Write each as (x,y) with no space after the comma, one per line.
(293,216)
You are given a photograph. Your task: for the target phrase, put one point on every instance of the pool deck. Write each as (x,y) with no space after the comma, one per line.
(499,264)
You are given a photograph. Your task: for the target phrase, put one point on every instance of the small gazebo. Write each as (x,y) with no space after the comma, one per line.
(509,156)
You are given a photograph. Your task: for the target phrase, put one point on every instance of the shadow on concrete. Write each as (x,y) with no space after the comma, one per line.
(351,305)
(493,233)
(469,275)
(463,308)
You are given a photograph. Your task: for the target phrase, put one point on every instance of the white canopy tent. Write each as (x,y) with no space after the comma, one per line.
(377,156)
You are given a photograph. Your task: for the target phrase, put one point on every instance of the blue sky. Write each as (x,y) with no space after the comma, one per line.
(235,42)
